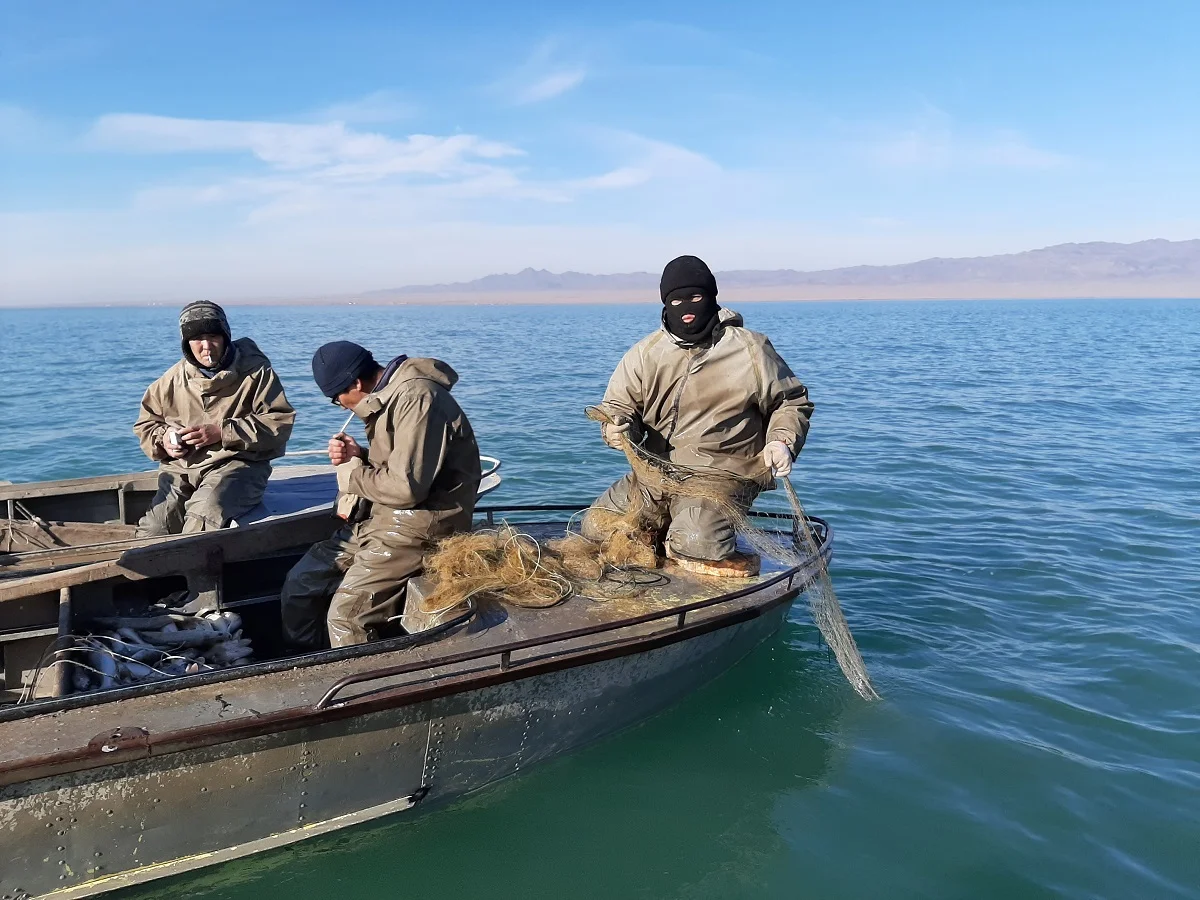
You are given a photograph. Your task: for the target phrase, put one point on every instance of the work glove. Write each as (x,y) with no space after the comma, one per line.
(777,457)
(618,427)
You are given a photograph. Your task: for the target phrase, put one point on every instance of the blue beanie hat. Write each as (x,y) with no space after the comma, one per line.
(336,365)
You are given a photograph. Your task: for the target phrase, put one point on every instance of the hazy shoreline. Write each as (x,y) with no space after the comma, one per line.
(1155,269)
(1184,289)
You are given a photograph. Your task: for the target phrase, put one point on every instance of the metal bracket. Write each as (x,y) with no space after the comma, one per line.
(206,582)
(124,738)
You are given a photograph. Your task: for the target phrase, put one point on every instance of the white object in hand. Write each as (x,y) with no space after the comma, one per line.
(777,457)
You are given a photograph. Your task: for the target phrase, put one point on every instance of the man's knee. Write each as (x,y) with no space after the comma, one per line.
(374,590)
(196,520)
(596,522)
(229,491)
(701,533)
(346,618)
(166,516)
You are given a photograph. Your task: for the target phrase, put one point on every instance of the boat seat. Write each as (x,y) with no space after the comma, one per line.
(309,488)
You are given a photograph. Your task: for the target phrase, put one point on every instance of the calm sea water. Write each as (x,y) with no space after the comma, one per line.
(1015,488)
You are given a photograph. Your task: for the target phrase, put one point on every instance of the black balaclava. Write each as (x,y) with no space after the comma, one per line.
(682,279)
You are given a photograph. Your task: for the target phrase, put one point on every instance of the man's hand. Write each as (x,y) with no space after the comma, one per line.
(777,457)
(620,426)
(343,448)
(176,449)
(200,436)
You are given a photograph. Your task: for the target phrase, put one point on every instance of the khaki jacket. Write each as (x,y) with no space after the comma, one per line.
(246,399)
(713,405)
(422,468)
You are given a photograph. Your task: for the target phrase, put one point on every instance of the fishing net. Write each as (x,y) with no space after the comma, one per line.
(495,561)
(620,549)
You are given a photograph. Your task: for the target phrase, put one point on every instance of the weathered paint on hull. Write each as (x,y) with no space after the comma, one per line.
(83,834)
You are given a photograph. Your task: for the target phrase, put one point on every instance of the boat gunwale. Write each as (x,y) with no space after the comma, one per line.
(88,484)
(123,481)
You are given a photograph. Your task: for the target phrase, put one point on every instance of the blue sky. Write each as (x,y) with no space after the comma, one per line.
(166,151)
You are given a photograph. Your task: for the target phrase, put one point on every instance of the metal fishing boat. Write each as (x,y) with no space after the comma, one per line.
(116,787)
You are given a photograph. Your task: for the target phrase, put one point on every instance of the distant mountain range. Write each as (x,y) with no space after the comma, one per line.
(1121,266)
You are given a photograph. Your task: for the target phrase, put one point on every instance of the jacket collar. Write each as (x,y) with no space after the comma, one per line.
(230,368)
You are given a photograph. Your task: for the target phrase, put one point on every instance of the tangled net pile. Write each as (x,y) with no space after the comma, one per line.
(509,564)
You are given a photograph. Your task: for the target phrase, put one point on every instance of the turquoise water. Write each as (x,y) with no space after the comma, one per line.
(1015,488)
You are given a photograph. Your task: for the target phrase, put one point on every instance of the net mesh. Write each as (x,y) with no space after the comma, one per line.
(621,549)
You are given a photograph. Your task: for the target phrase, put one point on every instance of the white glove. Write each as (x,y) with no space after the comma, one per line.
(620,426)
(778,458)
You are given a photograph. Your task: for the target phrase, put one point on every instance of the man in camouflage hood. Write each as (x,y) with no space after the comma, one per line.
(703,391)
(212,422)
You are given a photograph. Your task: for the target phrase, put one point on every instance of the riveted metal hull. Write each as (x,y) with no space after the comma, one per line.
(101,828)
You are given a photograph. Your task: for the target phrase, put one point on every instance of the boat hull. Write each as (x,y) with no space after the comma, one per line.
(92,831)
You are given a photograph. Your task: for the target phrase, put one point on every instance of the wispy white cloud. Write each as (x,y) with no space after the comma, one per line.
(20,128)
(934,142)
(337,150)
(550,86)
(649,160)
(543,76)
(376,108)
(1011,150)
(332,170)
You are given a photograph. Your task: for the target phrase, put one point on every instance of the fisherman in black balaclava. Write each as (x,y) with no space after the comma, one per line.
(689,295)
(704,392)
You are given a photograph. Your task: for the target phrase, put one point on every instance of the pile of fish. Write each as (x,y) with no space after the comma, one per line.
(132,650)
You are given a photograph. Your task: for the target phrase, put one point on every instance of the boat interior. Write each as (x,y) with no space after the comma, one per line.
(81,520)
(242,570)
(57,524)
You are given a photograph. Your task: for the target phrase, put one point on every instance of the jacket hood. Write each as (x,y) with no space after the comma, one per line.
(419,369)
(430,369)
